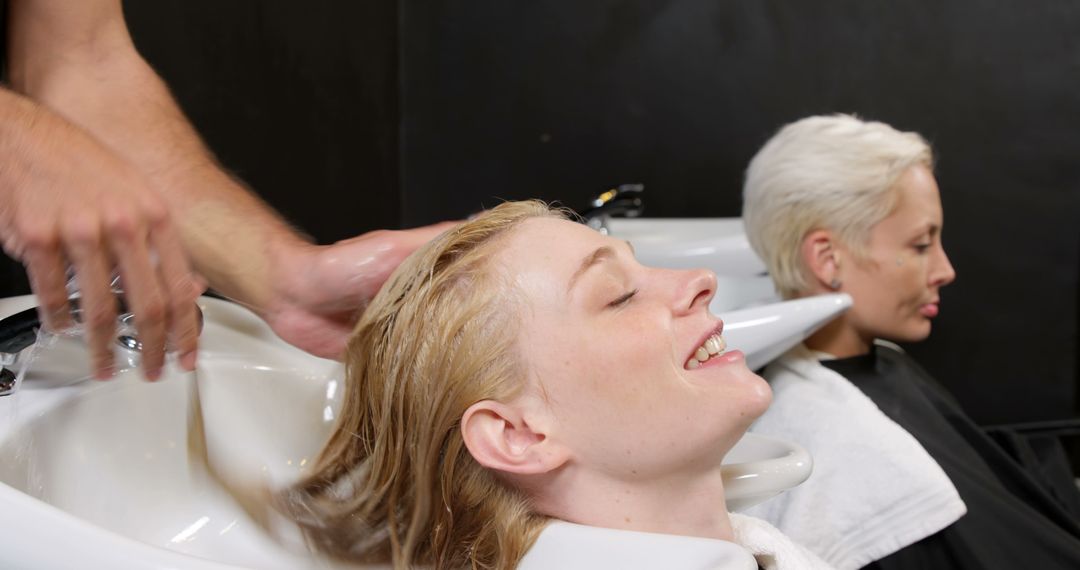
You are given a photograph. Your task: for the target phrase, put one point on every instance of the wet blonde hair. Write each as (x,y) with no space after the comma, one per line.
(825,172)
(395,482)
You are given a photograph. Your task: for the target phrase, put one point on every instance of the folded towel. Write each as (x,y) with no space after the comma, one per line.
(874,489)
(771,548)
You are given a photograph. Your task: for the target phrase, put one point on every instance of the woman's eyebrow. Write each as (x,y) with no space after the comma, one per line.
(599,254)
(929,230)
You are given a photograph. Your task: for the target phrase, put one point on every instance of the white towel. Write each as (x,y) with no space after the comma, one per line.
(874,489)
(771,548)
(569,546)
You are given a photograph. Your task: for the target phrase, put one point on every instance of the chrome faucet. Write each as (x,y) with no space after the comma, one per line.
(19,332)
(624,200)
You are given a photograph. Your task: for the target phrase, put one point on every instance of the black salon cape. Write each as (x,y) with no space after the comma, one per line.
(1012,522)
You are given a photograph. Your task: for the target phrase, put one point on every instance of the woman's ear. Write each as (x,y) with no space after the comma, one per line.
(499,437)
(821,254)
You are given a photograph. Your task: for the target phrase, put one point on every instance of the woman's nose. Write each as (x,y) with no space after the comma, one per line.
(696,289)
(942,273)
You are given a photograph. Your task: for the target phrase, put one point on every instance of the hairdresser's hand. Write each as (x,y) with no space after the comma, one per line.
(66,200)
(325,288)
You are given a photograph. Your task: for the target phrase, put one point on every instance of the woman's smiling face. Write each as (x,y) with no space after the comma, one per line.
(611,345)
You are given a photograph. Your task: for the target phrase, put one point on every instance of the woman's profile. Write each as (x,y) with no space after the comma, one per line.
(902,477)
(523,369)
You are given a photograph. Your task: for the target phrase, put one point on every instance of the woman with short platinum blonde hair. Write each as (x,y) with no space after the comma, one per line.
(902,477)
(835,172)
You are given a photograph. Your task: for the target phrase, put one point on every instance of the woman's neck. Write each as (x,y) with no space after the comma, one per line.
(688,507)
(839,339)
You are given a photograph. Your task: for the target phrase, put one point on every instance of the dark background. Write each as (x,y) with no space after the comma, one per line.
(351,116)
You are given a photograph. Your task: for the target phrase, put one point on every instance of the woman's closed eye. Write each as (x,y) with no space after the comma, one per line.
(921,244)
(623,299)
(926,240)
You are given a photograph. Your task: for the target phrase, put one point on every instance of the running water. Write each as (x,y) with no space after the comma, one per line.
(44,340)
(24,456)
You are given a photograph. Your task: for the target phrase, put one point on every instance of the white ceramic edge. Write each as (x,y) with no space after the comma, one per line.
(758,481)
(717,243)
(765,332)
(51,539)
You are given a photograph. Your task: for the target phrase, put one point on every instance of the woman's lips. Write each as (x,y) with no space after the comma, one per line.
(728,357)
(710,346)
(929,310)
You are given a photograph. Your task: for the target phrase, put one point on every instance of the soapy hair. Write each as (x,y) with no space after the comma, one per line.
(836,173)
(395,483)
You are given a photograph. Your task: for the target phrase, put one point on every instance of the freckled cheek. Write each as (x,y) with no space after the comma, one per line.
(636,363)
(579,373)
(615,389)
(616,368)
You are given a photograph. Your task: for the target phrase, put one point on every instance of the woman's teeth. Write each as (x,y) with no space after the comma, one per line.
(713,346)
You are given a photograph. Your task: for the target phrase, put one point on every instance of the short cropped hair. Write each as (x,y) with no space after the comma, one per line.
(833,172)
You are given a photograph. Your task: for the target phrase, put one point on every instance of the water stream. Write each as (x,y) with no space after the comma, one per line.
(23,439)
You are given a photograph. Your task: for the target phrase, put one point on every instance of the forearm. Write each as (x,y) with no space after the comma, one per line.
(19,118)
(98,81)
(32,137)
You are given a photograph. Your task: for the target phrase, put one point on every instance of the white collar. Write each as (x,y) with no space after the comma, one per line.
(569,546)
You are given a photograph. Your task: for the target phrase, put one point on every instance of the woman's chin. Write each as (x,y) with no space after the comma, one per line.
(762,401)
(755,398)
(921,329)
(916,331)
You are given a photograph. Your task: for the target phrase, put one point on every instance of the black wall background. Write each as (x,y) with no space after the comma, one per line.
(351,116)
(298,99)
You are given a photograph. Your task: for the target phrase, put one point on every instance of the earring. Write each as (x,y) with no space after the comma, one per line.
(834,284)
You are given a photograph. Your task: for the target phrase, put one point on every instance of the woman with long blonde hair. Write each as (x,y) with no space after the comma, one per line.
(520,369)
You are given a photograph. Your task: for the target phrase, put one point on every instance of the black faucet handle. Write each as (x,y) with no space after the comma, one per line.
(626,200)
(19,331)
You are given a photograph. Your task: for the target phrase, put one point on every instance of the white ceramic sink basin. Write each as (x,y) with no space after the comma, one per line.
(110,475)
(688,243)
(718,244)
(115,470)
